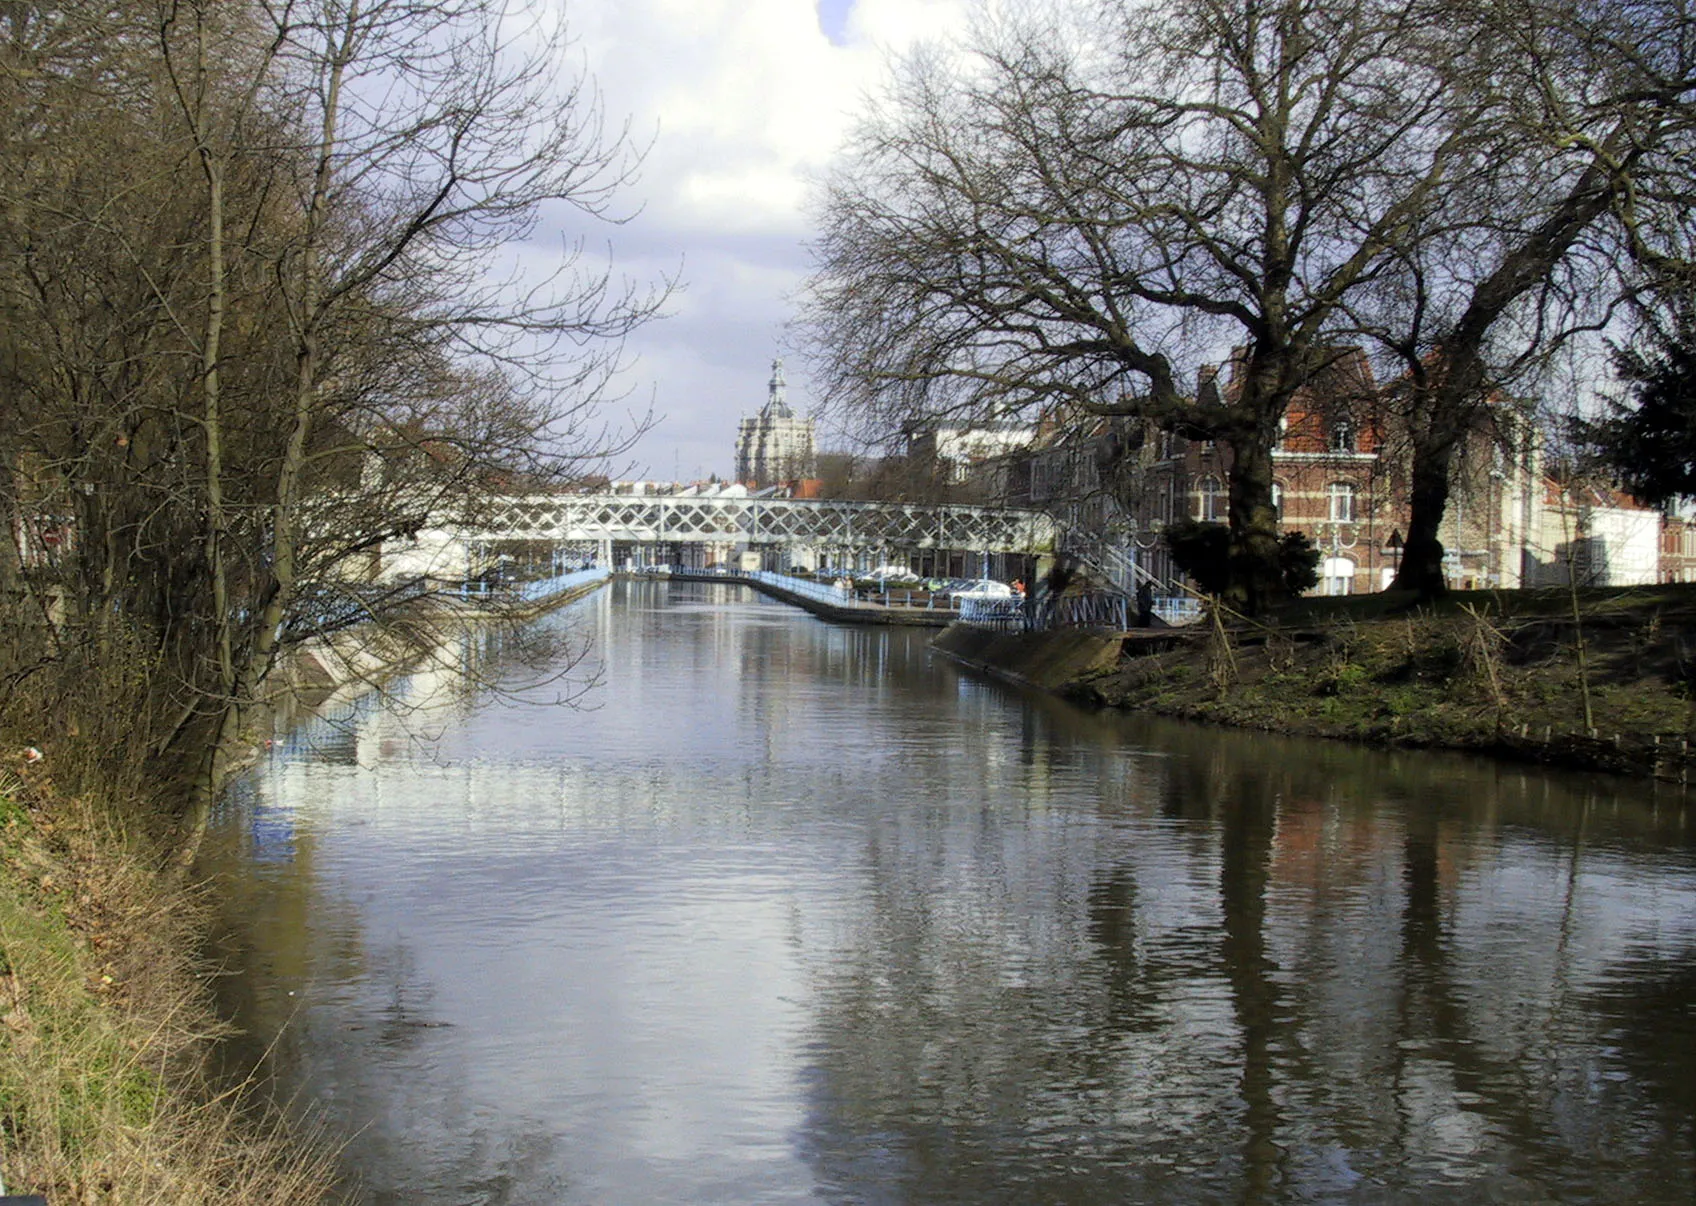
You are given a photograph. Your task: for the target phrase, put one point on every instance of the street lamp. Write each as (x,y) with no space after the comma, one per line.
(1393,547)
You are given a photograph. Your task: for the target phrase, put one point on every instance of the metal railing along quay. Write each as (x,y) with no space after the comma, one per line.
(1094,609)
(547,588)
(838,593)
(533,591)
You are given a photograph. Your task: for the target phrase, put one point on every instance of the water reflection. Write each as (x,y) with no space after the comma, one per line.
(800,913)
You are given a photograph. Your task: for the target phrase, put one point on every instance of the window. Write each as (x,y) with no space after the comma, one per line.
(1336,576)
(1341,496)
(1207,494)
(1278,500)
(1342,435)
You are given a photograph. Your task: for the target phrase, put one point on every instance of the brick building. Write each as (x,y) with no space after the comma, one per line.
(1339,475)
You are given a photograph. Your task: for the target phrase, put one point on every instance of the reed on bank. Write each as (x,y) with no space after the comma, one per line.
(1610,685)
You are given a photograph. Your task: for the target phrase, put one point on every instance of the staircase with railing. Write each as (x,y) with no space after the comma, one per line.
(1113,563)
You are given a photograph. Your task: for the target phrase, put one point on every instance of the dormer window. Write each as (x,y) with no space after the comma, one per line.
(1342,436)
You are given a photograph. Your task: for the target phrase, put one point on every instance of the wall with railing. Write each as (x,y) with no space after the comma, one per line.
(533,591)
(1091,609)
(546,588)
(807,588)
(837,593)
(1178,611)
(1003,615)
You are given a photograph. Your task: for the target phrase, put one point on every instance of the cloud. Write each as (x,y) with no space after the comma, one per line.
(747,102)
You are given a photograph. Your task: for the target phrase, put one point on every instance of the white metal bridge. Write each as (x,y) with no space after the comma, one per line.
(835,524)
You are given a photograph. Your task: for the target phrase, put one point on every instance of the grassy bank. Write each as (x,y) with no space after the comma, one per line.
(1514,673)
(106,1030)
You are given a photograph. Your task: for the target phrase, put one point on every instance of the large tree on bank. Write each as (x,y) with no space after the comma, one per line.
(1071,222)
(1591,112)
(1075,221)
(1647,442)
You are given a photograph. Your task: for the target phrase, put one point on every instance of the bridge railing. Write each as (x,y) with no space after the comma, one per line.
(838,523)
(1003,615)
(1177,610)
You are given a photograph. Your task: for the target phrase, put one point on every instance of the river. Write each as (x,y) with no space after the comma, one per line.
(782,911)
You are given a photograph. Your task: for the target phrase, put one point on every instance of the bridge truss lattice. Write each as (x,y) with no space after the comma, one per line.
(667,519)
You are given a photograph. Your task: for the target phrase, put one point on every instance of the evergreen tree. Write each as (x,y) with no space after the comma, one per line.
(1649,442)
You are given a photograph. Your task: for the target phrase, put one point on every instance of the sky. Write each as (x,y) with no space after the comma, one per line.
(746,101)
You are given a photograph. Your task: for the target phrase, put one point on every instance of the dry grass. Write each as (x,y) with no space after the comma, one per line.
(106,1029)
(1496,673)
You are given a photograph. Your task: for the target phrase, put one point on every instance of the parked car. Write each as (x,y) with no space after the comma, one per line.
(982,588)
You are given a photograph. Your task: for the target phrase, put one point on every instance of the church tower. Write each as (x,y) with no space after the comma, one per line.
(774,446)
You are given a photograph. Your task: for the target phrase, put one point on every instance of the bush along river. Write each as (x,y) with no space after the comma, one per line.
(783,911)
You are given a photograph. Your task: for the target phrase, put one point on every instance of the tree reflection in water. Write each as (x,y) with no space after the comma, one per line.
(803,913)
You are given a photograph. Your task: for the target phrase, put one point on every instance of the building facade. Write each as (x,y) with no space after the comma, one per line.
(775,447)
(1340,476)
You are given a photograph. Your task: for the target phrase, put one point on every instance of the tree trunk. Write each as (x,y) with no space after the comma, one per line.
(1421,568)
(1256,580)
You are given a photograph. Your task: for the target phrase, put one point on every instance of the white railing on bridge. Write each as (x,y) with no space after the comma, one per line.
(1178,610)
(1094,609)
(1005,615)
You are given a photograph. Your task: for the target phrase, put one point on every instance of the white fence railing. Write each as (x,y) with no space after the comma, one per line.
(1178,610)
(824,592)
(1004,615)
(547,588)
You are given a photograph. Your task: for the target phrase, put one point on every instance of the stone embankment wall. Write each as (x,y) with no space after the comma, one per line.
(351,661)
(1049,661)
(842,613)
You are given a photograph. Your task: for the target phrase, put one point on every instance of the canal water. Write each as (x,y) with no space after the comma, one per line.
(788,912)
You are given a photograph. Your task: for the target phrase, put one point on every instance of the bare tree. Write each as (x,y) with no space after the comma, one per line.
(286,336)
(1073,225)
(1589,113)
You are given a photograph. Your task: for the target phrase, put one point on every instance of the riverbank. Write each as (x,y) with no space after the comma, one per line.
(108,1087)
(107,1092)
(1508,673)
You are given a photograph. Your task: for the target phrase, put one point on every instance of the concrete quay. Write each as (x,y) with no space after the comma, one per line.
(819,601)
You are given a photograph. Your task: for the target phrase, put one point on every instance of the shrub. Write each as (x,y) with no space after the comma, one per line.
(1203,552)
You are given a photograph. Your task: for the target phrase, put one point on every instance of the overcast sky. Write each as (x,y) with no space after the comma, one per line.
(746,100)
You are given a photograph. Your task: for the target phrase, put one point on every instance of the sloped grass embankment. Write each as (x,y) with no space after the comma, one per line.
(107,1032)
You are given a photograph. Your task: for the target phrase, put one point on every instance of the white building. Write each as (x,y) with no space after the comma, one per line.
(958,447)
(1598,535)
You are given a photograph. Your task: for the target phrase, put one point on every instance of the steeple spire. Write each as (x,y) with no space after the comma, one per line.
(775,403)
